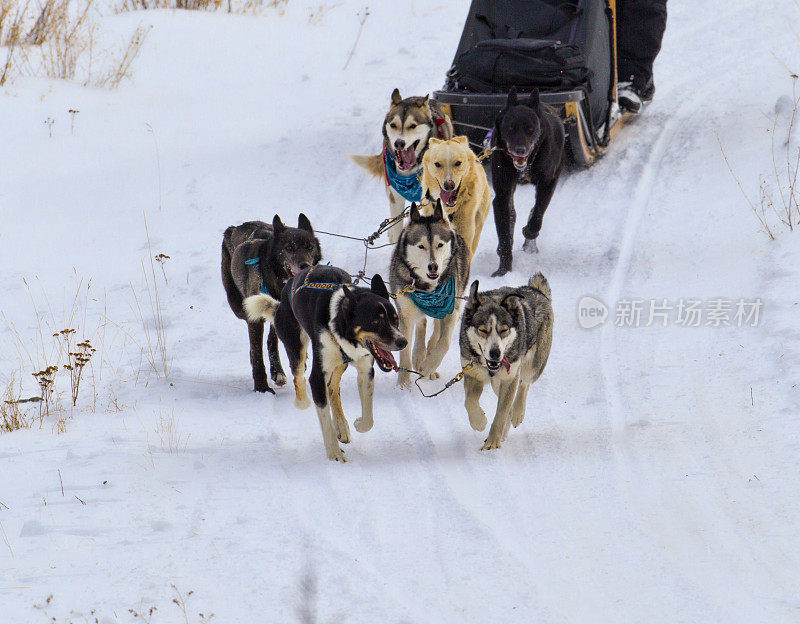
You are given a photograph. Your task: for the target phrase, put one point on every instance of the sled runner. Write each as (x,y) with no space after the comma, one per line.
(564,48)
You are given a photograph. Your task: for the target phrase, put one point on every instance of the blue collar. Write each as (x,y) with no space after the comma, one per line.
(253,262)
(438,303)
(409,187)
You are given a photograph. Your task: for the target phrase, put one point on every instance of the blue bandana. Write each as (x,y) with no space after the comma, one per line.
(439,303)
(409,187)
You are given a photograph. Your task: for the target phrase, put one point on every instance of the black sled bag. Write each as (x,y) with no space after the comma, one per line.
(495,65)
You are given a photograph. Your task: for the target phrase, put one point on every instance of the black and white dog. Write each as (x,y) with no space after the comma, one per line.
(345,324)
(257,257)
(530,144)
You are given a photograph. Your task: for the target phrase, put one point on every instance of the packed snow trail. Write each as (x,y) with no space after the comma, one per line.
(646,483)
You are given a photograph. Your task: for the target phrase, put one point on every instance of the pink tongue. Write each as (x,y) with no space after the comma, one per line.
(507,364)
(448,197)
(408,158)
(389,357)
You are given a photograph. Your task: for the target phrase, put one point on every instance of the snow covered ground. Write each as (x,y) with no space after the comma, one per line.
(655,478)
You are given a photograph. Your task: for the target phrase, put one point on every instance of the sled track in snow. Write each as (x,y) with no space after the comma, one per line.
(694,525)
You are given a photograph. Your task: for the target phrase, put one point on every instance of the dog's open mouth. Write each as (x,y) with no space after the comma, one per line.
(520,162)
(432,276)
(383,357)
(449,198)
(494,365)
(406,158)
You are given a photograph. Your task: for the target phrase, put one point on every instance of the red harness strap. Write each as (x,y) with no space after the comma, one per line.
(439,123)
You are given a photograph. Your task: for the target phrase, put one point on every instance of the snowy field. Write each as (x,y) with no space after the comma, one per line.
(655,478)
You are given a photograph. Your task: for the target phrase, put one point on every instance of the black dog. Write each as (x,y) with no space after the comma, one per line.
(257,257)
(345,324)
(530,142)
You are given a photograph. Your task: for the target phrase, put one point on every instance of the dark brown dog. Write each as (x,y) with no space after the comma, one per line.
(260,258)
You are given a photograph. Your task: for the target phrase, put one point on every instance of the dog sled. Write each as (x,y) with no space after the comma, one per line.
(564,48)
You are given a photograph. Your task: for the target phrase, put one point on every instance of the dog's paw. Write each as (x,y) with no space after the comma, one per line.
(279,378)
(362,425)
(262,386)
(434,375)
(404,379)
(477,419)
(490,444)
(529,246)
(517,417)
(302,403)
(335,453)
(501,271)
(342,430)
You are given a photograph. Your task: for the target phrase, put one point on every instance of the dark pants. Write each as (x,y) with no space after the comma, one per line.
(640,28)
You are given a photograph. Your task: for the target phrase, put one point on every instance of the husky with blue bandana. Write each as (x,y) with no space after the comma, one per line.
(407,127)
(428,274)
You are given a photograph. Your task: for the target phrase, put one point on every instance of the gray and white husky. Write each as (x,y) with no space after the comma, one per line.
(506,334)
(432,259)
(408,125)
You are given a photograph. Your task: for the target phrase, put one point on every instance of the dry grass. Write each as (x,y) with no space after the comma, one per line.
(58,40)
(778,202)
(58,357)
(14,409)
(247,7)
(153,327)
(188,5)
(172,440)
(121,68)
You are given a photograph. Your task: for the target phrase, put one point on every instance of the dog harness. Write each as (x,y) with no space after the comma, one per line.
(437,303)
(410,187)
(316,285)
(321,286)
(253,262)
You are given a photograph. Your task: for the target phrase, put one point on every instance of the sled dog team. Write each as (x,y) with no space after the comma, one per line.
(272,273)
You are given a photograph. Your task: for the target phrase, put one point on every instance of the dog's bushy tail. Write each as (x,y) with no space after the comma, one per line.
(261,307)
(539,282)
(373,164)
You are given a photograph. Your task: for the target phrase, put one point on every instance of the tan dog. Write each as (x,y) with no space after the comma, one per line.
(452,173)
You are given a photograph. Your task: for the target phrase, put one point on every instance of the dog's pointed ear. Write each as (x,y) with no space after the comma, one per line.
(512,97)
(512,302)
(277,225)
(424,100)
(438,212)
(304,224)
(396,99)
(378,286)
(415,216)
(473,301)
(349,294)
(462,140)
(433,141)
(533,100)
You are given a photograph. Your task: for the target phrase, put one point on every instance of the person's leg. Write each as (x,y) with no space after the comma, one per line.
(640,29)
